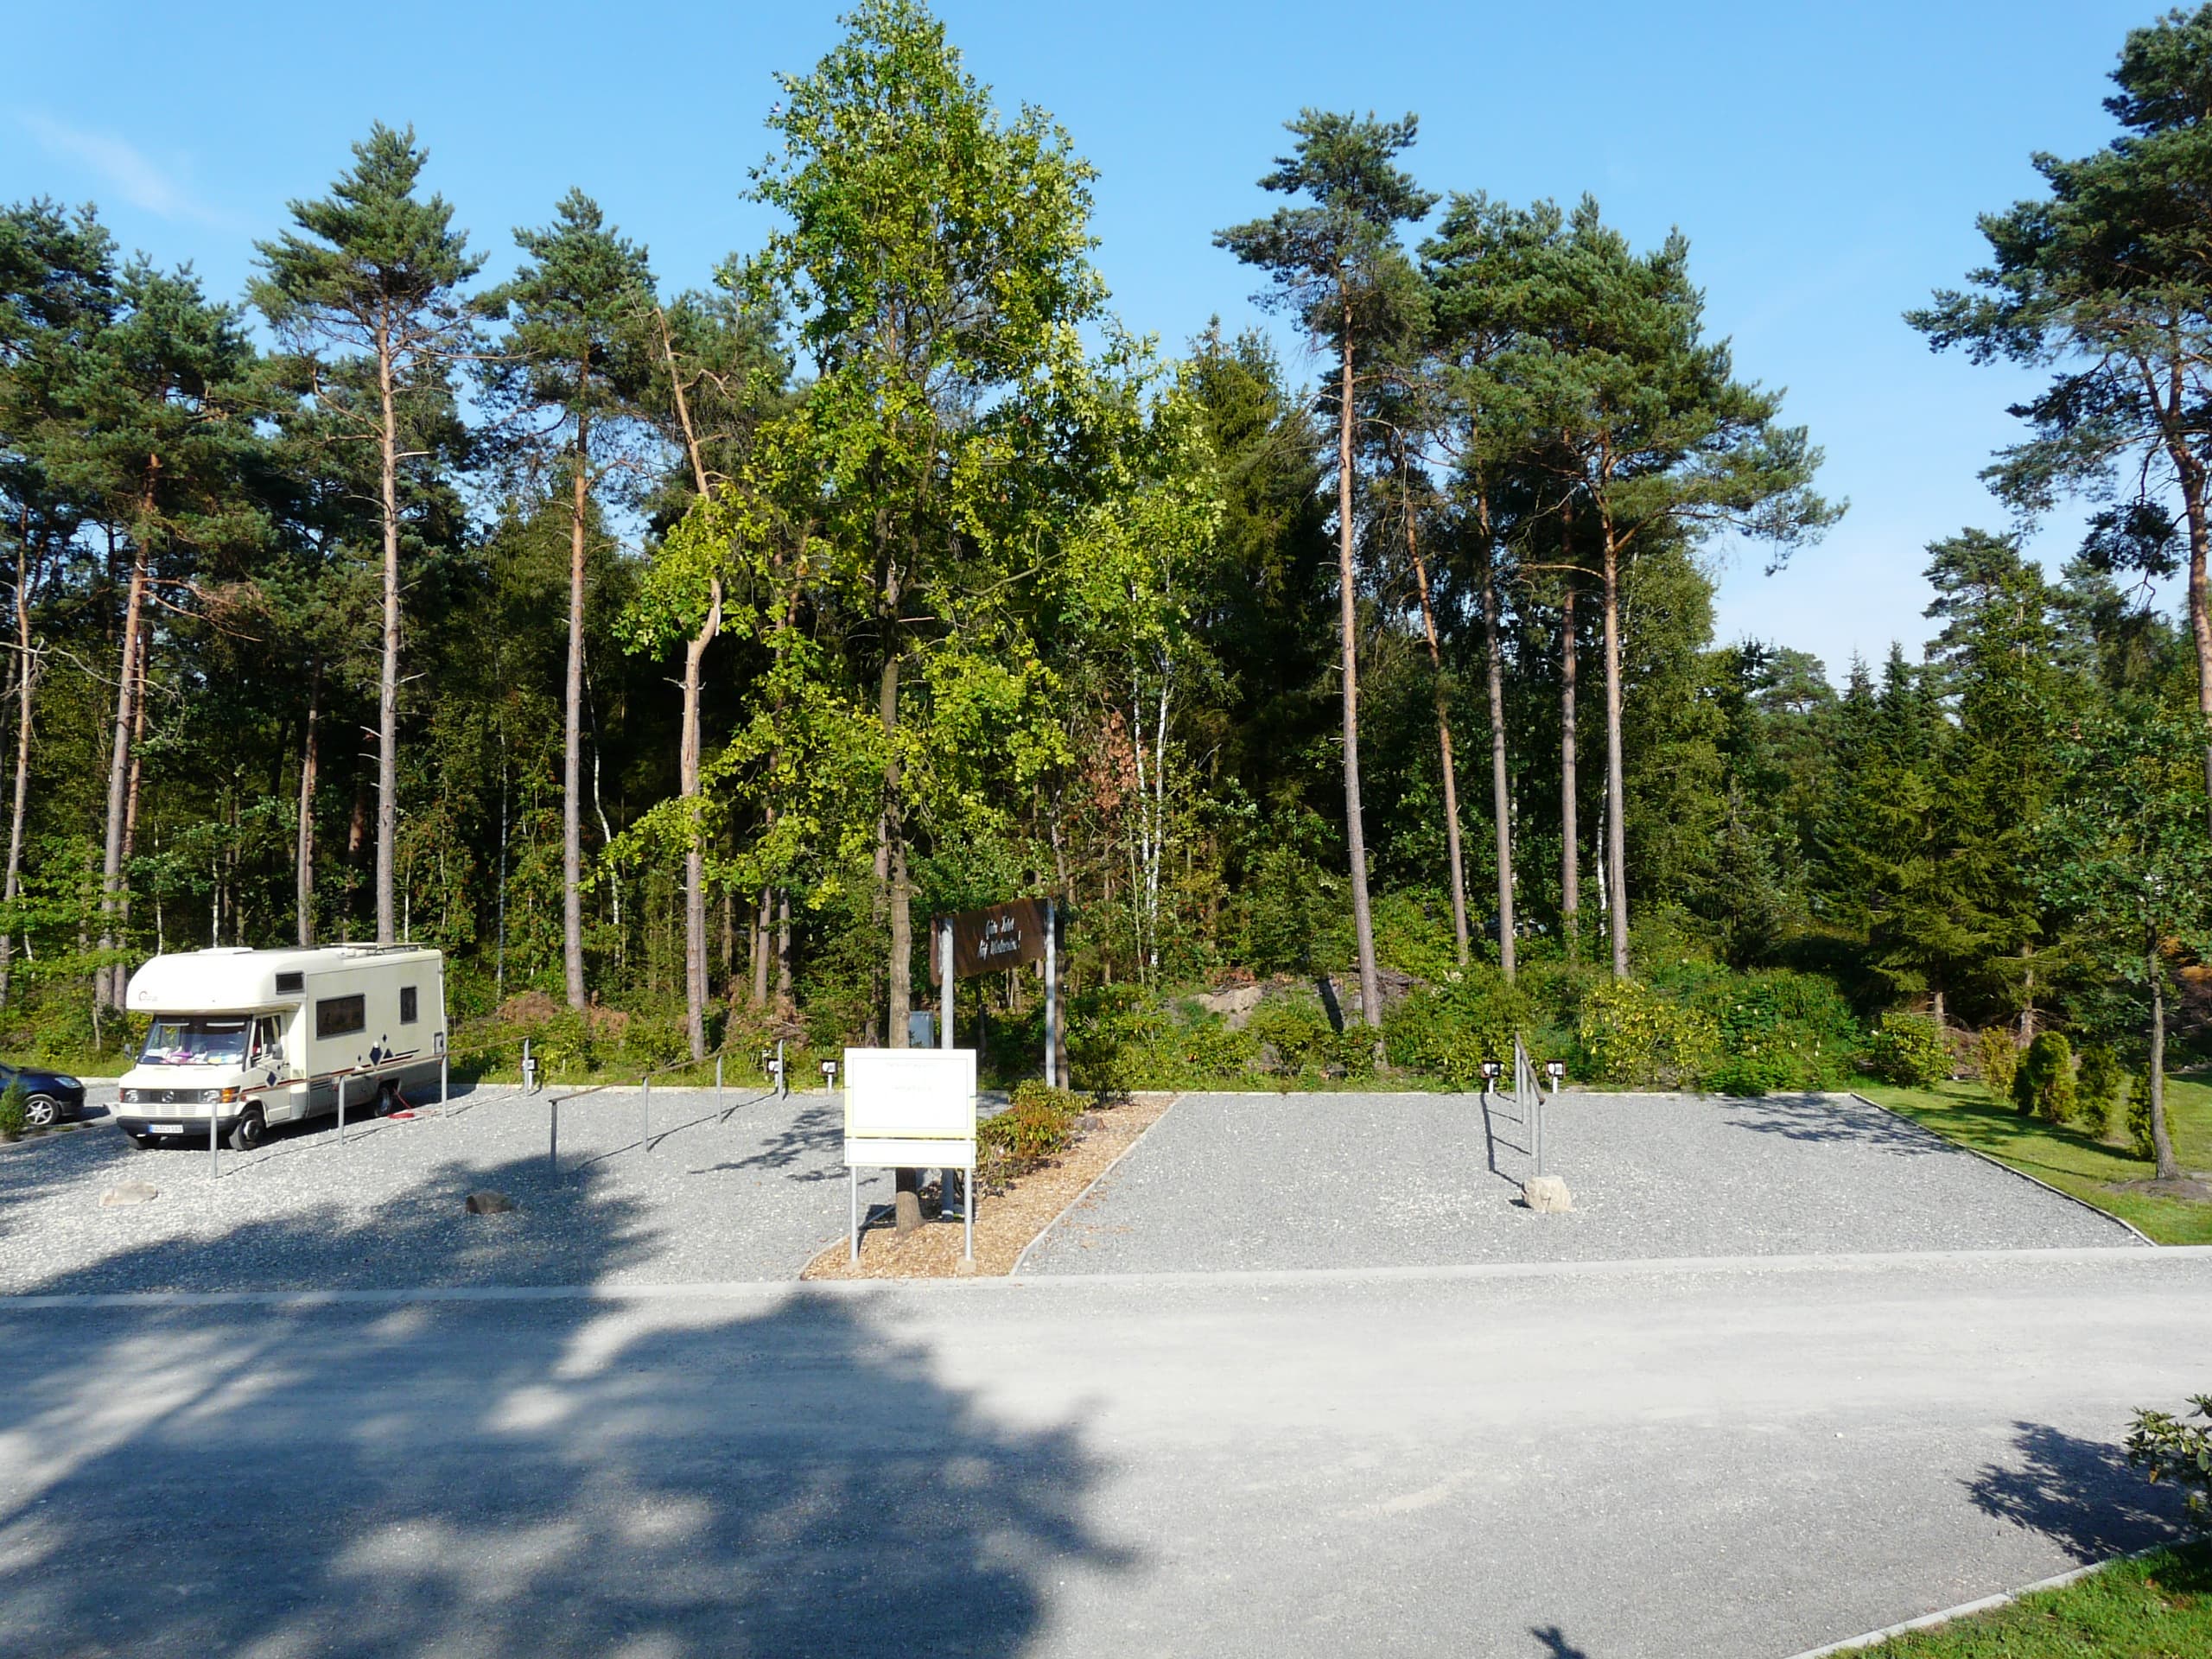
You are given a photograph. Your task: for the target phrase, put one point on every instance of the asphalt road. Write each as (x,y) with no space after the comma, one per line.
(1722,1458)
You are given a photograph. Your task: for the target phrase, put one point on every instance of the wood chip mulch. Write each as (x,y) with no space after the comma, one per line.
(1005,1222)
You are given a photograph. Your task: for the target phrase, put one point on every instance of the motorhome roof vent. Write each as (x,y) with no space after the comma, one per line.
(291,984)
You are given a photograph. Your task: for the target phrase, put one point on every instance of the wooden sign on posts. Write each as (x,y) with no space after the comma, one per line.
(971,942)
(1010,934)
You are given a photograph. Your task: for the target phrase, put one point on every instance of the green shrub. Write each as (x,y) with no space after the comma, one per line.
(1304,1041)
(1036,1094)
(564,1048)
(1447,1030)
(1212,1051)
(14,1120)
(2166,1448)
(2139,1117)
(1909,1049)
(649,1044)
(1113,1035)
(1632,1036)
(2098,1084)
(1779,1031)
(2045,1083)
(1997,1059)
(1036,1127)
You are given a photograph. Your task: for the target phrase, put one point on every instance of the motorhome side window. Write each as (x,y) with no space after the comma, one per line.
(407,1005)
(340,1016)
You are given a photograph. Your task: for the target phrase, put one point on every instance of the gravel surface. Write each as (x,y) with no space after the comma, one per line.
(1240,1181)
(754,1198)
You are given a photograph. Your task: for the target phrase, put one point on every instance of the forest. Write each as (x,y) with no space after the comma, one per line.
(668,647)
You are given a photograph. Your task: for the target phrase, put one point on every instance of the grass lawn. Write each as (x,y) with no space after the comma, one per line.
(2159,1607)
(2072,1159)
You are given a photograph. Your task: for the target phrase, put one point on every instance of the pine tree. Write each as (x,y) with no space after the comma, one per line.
(1338,267)
(366,294)
(576,367)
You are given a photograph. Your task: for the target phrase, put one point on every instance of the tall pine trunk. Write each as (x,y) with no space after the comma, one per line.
(1616,798)
(1570,855)
(572,755)
(303,853)
(26,676)
(1443,723)
(1370,991)
(899,998)
(763,920)
(131,798)
(108,982)
(2162,1146)
(2200,611)
(388,670)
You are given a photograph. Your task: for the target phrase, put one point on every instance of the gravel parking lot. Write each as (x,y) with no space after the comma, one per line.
(751,1197)
(1241,1182)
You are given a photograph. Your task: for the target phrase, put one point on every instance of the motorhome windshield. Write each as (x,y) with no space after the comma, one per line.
(194,1040)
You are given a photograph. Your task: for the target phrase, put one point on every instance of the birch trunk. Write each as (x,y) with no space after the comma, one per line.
(303,853)
(572,815)
(1500,787)
(1451,848)
(1570,857)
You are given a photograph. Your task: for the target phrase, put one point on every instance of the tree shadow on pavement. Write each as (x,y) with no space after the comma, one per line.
(533,1475)
(817,1132)
(1827,1118)
(1554,1643)
(2079,1493)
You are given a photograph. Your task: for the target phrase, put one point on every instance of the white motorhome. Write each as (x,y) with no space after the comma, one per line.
(255,1038)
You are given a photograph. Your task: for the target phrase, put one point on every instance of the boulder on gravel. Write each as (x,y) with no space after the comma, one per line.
(128,1193)
(488,1203)
(1547,1194)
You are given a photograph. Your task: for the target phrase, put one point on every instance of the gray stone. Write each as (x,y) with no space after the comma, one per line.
(488,1203)
(1233,1002)
(1547,1193)
(128,1193)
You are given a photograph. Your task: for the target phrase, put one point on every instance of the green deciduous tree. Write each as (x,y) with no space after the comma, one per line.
(2127,855)
(936,258)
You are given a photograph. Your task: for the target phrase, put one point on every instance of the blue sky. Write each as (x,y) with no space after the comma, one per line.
(1827,162)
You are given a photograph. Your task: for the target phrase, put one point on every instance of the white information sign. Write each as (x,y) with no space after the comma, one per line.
(910,1094)
(911,1109)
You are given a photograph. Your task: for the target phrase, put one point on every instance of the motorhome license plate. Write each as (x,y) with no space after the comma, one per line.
(165,1129)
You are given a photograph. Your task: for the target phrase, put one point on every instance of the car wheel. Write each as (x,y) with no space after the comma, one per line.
(41,1112)
(249,1131)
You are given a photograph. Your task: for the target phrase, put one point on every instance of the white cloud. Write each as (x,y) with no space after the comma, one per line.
(132,176)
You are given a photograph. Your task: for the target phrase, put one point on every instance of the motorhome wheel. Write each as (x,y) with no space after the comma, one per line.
(246,1134)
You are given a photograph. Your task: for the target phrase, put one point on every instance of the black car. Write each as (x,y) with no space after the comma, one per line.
(48,1096)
